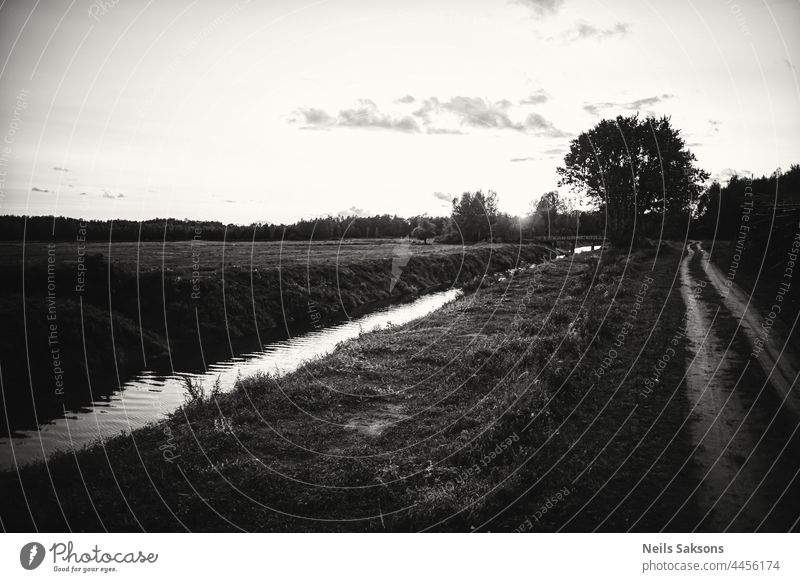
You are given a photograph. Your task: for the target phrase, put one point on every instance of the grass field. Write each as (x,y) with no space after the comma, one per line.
(477,417)
(127,307)
(178,256)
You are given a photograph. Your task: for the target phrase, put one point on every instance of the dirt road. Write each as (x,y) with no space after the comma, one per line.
(745,411)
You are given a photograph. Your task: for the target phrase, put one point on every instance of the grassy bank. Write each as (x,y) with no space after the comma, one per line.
(505,410)
(125,307)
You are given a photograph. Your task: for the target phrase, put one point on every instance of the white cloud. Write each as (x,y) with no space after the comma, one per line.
(536,98)
(541,7)
(586,31)
(434,116)
(364,115)
(637,105)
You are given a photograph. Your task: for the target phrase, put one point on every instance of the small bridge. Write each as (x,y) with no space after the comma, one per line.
(569,242)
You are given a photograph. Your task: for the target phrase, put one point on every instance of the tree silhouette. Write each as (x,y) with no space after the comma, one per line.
(720,208)
(545,213)
(633,167)
(474,215)
(424,230)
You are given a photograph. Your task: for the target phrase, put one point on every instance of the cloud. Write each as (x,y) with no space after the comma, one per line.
(586,31)
(316,117)
(598,108)
(536,98)
(481,113)
(541,7)
(443,131)
(443,196)
(82,194)
(367,115)
(57,169)
(551,153)
(595,108)
(714,123)
(639,103)
(350,212)
(364,115)
(35,189)
(406,99)
(111,195)
(471,111)
(538,124)
(432,116)
(726,174)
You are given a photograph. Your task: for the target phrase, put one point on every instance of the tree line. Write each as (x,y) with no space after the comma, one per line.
(474,218)
(775,197)
(638,175)
(645,182)
(62,228)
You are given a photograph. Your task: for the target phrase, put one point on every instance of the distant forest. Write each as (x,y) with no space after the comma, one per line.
(770,200)
(542,220)
(169,229)
(717,214)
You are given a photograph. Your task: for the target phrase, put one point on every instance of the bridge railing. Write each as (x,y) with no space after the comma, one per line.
(568,243)
(566,238)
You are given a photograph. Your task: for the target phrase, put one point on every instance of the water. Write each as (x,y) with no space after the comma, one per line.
(147,397)
(579,250)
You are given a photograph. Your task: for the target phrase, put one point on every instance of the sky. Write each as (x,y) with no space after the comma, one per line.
(273,111)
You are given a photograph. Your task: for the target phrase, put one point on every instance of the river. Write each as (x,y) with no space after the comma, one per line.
(148,397)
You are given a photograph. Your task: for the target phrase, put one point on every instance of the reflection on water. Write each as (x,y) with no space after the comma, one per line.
(148,397)
(586,249)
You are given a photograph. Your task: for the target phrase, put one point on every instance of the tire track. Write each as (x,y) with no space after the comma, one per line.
(777,359)
(738,427)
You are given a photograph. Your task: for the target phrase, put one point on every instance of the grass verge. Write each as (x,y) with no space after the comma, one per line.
(522,406)
(171,309)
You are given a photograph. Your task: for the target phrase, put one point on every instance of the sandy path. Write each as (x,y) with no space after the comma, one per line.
(777,358)
(719,429)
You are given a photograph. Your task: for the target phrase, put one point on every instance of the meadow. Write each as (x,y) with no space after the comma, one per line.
(474,418)
(178,256)
(115,309)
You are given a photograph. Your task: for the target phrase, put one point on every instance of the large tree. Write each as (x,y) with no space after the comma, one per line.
(545,213)
(633,167)
(424,230)
(474,215)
